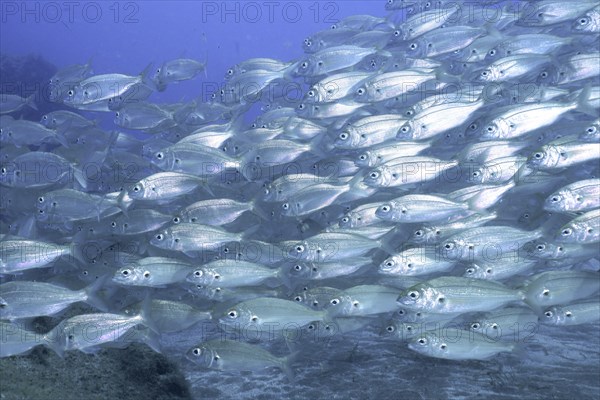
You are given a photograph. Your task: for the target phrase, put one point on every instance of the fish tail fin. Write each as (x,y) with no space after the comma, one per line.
(583,104)
(147,79)
(387,245)
(145,314)
(357,190)
(286,365)
(121,203)
(29,228)
(290,71)
(60,138)
(258,210)
(246,234)
(206,186)
(51,341)
(285,277)
(30,102)
(88,65)
(76,248)
(79,177)
(205,41)
(93,298)
(151,339)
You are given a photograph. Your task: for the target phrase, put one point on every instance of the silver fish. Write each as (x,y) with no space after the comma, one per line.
(457,295)
(573,314)
(578,196)
(233,355)
(457,344)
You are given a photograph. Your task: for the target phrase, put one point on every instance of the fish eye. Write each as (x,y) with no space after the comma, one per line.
(304,65)
(374,175)
(422,341)
(197,351)
(413,294)
(475,325)
(335,302)
(538,155)
(443,346)
(470,271)
(232,314)
(146,274)
(334,26)
(126,272)
(198,273)
(568,314)
(449,246)
(310,327)
(343,136)
(301,106)
(492,52)
(285,206)
(485,73)
(549,314)
(544,74)
(567,232)
(298,267)
(254,318)
(345,220)
(360,91)
(70,93)
(546,292)
(113,224)
(159,237)
(390,328)
(397,33)
(298,299)
(389,263)
(413,46)
(160,155)
(405,129)
(591,129)
(137,188)
(299,249)
(583,21)
(176,220)
(311,93)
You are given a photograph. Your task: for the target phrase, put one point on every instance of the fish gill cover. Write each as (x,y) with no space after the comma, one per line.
(322,199)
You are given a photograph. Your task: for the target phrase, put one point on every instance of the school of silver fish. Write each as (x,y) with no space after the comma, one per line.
(437,181)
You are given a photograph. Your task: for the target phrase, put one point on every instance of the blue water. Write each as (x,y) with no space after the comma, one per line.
(125,36)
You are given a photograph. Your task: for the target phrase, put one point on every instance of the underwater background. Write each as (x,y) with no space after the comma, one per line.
(38,38)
